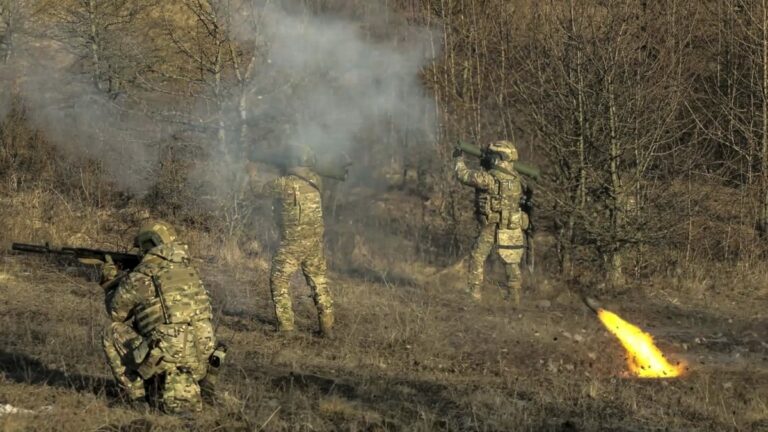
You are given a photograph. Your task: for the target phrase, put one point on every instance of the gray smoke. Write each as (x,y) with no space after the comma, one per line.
(6,83)
(327,82)
(81,120)
(317,80)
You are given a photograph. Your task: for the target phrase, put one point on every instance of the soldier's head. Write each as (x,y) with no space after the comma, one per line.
(504,150)
(300,155)
(153,234)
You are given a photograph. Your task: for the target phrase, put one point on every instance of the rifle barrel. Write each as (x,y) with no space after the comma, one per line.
(123,259)
(31,248)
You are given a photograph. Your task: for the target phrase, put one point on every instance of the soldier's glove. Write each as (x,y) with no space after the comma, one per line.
(457,152)
(108,270)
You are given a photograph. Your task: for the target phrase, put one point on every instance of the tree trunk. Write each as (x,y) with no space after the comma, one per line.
(617,193)
(8,38)
(94,35)
(581,187)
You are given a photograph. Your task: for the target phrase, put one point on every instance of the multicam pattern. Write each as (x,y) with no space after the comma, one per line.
(181,393)
(119,342)
(163,304)
(501,224)
(299,215)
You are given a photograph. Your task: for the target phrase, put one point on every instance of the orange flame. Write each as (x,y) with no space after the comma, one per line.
(645,360)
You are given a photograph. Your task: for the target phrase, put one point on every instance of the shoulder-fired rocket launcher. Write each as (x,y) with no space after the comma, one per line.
(521,167)
(332,164)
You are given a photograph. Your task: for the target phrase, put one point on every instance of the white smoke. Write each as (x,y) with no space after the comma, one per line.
(336,81)
(60,100)
(6,84)
(79,119)
(319,81)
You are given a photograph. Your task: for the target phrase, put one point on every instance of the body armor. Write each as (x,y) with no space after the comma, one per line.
(298,203)
(500,204)
(180,297)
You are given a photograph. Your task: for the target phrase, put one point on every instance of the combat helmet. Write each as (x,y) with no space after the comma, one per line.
(153,234)
(300,155)
(504,149)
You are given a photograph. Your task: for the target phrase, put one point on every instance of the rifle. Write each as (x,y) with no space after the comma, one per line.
(521,167)
(124,261)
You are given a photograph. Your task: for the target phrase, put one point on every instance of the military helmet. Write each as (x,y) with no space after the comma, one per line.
(505,149)
(153,234)
(300,155)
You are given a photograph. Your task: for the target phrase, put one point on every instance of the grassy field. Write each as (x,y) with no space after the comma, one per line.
(410,357)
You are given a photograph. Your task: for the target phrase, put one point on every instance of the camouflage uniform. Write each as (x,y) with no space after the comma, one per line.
(497,198)
(161,328)
(299,215)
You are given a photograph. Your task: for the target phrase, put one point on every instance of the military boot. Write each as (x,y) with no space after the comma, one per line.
(133,387)
(140,404)
(326,325)
(474,291)
(513,292)
(285,326)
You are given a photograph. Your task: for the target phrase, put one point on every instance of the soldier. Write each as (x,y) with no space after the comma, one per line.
(299,213)
(161,324)
(498,190)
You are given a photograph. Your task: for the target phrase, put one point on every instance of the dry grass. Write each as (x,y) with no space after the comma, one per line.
(405,358)
(411,353)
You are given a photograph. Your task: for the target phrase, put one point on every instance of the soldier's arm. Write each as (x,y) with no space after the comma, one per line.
(475,178)
(121,299)
(270,189)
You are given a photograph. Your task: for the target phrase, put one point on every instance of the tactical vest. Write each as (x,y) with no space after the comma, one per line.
(299,206)
(501,204)
(180,297)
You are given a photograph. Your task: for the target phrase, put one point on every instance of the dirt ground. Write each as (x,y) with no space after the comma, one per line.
(406,357)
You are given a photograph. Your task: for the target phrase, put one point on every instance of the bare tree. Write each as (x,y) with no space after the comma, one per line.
(603,91)
(107,36)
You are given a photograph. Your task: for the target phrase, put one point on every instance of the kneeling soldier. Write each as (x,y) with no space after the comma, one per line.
(161,327)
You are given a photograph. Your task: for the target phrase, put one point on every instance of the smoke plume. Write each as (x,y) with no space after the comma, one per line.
(336,80)
(316,80)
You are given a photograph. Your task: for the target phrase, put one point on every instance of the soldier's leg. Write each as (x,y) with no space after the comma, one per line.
(512,257)
(314,268)
(118,342)
(478,256)
(205,343)
(211,357)
(284,265)
(180,392)
(514,280)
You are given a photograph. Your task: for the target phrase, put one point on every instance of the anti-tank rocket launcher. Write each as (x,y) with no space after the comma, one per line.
(486,158)
(333,164)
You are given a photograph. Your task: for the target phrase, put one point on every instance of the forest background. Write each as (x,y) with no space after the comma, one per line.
(650,121)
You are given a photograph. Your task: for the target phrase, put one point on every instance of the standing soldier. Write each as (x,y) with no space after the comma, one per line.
(498,191)
(161,324)
(299,214)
